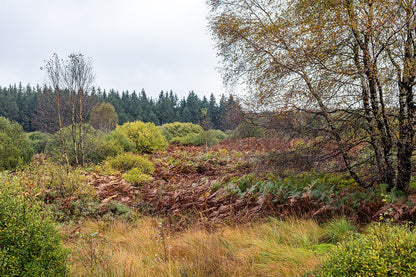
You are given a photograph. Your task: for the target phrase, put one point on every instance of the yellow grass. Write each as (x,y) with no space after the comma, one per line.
(273,248)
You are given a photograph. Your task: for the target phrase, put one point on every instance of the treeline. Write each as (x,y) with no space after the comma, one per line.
(35,107)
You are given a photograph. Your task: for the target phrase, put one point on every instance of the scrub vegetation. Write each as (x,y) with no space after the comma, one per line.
(231,209)
(311,174)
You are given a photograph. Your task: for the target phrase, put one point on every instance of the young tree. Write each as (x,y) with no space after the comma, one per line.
(79,77)
(76,76)
(53,71)
(104,117)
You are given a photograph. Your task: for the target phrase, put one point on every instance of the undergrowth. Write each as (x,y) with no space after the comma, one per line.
(64,191)
(382,250)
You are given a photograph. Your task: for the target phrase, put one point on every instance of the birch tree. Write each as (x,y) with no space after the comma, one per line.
(76,76)
(350,62)
(53,71)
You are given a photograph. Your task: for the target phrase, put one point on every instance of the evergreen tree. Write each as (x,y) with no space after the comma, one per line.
(193,106)
(213,111)
(8,106)
(146,107)
(165,111)
(135,109)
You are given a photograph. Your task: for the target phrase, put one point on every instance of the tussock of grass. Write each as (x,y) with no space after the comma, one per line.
(337,230)
(144,248)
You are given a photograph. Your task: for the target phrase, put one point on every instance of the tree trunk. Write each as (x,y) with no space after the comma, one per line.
(58,105)
(73,126)
(405,144)
(81,137)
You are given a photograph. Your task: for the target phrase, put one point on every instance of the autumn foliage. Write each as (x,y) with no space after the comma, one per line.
(350,64)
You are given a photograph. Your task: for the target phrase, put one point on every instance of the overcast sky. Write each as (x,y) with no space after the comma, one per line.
(134,44)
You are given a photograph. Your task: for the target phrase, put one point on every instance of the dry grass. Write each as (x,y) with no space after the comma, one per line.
(273,248)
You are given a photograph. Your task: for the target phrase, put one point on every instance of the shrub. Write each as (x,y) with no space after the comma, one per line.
(208,138)
(116,143)
(179,130)
(136,177)
(93,149)
(127,161)
(29,243)
(195,139)
(248,130)
(15,149)
(147,137)
(65,191)
(220,135)
(191,134)
(38,141)
(383,250)
(118,210)
(138,169)
(49,181)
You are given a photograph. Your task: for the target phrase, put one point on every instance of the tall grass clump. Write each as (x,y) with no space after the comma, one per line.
(338,230)
(147,248)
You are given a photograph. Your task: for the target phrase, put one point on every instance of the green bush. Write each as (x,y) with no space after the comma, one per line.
(116,210)
(137,177)
(147,137)
(220,135)
(97,145)
(138,169)
(93,145)
(127,161)
(195,139)
(116,143)
(49,181)
(383,250)
(29,243)
(15,148)
(208,138)
(38,141)
(191,134)
(65,191)
(213,137)
(248,130)
(180,130)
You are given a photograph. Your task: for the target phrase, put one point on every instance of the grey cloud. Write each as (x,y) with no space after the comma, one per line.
(134,44)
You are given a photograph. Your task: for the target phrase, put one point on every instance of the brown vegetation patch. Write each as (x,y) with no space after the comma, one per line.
(113,188)
(188,187)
